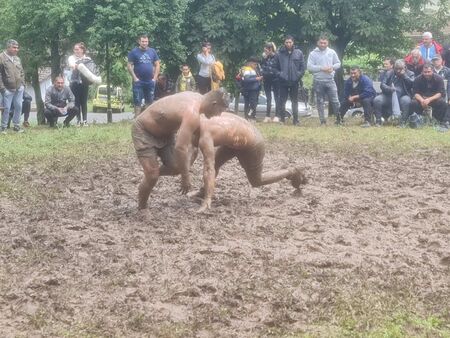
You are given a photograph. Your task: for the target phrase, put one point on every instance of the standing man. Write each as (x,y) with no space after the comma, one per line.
(358,89)
(429,91)
(322,63)
(143,65)
(428,47)
(290,64)
(11,85)
(59,101)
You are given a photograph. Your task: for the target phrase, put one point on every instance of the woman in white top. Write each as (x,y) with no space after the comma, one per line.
(78,84)
(206,60)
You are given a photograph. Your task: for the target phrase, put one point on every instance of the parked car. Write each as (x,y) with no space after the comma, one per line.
(303,109)
(100,101)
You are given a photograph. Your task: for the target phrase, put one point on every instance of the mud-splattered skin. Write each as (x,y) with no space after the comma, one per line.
(178,113)
(236,137)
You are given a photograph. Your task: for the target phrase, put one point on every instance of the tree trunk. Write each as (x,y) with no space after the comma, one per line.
(38,95)
(55,58)
(339,76)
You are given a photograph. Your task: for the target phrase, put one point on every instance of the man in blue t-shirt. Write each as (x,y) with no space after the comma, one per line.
(143,65)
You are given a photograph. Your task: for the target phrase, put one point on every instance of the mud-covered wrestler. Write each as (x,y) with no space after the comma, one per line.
(235,137)
(154,132)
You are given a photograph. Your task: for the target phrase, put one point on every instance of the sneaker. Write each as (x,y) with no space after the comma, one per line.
(3,131)
(26,124)
(267,119)
(84,124)
(17,129)
(366,125)
(276,119)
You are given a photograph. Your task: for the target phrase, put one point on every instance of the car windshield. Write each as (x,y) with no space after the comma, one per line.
(102,91)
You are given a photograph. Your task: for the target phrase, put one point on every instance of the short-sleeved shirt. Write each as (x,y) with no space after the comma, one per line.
(142,61)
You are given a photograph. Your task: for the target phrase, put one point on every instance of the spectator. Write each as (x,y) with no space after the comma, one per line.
(59,102)
(250,82)
(26,108)
(388,64)
(164,87)
(79,85)
(446,55)
(399,80)
(358,90)
(185,81)
(143,66)
(443,71)
(206,59)
(291,68)
(11,85)
(414,62)
(429,92)
(322,63)
(428,47)
(271,84)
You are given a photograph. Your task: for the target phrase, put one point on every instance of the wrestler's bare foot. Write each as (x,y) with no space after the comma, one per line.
(297,178)
(205,206)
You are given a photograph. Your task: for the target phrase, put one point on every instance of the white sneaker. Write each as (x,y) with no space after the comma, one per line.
(85,124)
(266,119)
(275,119)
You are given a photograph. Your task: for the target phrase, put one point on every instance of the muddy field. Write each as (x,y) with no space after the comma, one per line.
(364,237)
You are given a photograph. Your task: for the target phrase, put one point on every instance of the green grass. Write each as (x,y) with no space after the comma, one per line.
(68,148)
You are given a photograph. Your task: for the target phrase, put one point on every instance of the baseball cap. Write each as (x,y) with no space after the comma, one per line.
(436,57)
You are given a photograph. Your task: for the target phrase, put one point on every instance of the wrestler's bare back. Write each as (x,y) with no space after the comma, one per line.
(165,116)
(231,131)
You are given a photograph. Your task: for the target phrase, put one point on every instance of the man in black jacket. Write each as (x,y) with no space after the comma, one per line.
(290,64)
(400,80)
(429,92)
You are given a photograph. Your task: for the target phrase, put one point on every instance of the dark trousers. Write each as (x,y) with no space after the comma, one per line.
(365,103)
(439,109)
(81,92)
(289,89)
(52,115)
(250,102)
(203,84)
(272,85)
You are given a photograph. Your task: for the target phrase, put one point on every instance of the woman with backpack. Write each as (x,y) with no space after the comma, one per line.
(269,73)
(205,59)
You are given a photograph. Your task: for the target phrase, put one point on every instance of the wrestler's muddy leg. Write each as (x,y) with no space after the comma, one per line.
(257,178)
(151,174)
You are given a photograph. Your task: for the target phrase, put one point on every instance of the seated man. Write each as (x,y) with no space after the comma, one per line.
(388,64)
(442,70)
(358,89)
(399,80)
(59,101)
(154,132)
(429,92)
(236,137)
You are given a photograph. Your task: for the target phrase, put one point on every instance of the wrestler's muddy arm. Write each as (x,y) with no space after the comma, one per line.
(182,155)
(206,146)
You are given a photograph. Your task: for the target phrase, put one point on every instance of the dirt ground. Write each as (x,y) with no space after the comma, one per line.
(365,236)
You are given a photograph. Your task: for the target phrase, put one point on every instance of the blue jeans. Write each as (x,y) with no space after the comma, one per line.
(8,98)
(322,88)
(143,90)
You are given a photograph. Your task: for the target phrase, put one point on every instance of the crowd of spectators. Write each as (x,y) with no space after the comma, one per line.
(410,88)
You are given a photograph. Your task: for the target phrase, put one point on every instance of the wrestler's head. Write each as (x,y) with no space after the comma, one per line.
(214,102)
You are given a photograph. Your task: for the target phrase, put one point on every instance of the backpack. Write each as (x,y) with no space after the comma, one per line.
(415,121)
(248,73)
(217,72)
